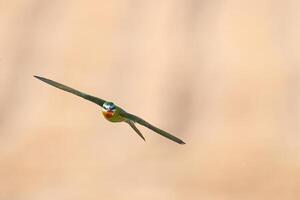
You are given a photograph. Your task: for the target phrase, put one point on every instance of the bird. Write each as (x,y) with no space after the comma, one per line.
(112,112)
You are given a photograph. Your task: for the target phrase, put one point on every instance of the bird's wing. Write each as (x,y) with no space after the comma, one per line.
(131,123)
(148,125)
(93,99)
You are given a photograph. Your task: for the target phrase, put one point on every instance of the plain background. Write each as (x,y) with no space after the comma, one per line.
(222,75)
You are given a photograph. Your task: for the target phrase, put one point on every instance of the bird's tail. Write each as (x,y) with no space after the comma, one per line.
(131,123)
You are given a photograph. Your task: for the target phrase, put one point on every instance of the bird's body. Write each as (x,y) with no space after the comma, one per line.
(113,113)
(113,116)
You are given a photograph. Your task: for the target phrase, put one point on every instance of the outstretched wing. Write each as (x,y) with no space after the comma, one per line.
(131,123)
(93,99)
(148,125)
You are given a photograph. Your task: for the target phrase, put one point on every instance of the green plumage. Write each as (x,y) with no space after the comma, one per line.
(113,113)
(116,116)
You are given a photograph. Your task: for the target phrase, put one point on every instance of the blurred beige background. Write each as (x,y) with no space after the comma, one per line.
(221,75)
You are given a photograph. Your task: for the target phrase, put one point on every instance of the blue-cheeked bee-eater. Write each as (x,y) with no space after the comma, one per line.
(112,112)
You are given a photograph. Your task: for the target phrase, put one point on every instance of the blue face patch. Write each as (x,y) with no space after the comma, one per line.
(109,106)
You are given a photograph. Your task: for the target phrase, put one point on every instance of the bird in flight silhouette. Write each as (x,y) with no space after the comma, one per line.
(112,112)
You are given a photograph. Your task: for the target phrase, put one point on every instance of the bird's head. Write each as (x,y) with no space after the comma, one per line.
(109,106)
(109,109)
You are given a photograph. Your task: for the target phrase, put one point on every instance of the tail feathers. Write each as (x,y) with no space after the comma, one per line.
(131,123)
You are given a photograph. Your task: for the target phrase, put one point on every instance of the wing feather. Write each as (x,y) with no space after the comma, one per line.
(91,98)
(150,126)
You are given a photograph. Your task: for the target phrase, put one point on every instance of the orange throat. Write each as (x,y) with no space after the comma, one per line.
(108,114)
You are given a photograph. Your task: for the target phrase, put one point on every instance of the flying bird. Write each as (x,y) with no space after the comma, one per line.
(112,112)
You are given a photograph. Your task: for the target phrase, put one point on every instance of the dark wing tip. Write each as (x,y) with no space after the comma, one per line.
(181,142)
(38,77)
(46,80)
